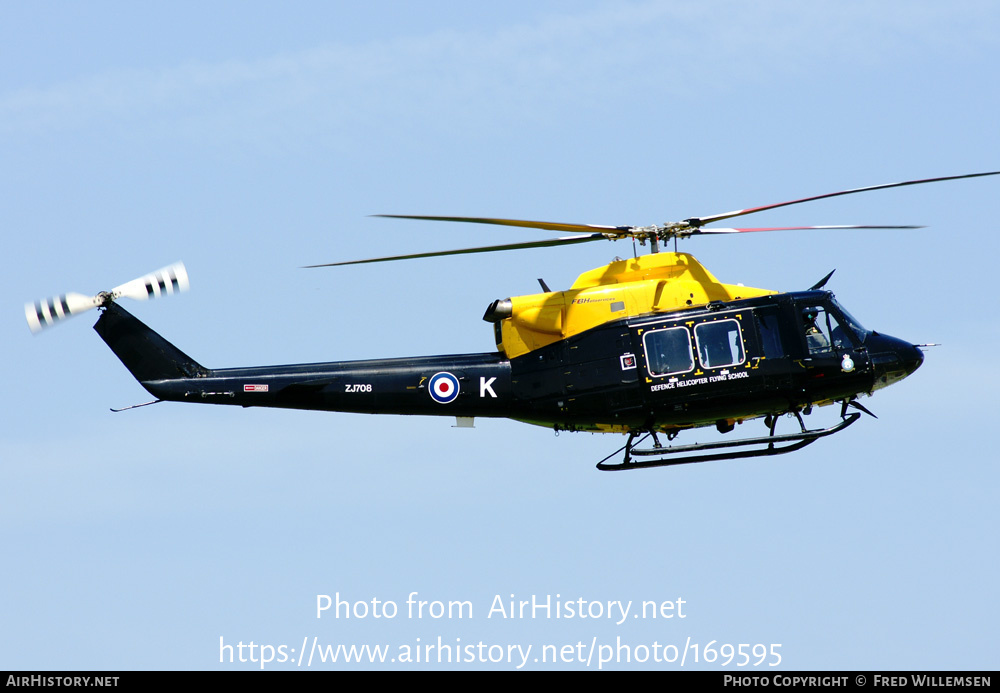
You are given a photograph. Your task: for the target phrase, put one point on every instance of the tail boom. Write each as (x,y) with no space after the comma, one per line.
(466,385)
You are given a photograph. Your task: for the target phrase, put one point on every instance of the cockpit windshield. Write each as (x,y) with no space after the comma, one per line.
(851,322)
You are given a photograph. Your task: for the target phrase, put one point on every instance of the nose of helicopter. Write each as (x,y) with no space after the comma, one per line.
(912,358)
(893,359)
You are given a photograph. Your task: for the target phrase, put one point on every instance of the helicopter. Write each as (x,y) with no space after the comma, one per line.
(646,347)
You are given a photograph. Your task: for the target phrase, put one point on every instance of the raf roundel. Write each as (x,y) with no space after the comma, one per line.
(443,388)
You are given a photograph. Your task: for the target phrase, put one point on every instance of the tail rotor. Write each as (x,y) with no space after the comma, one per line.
(47,312)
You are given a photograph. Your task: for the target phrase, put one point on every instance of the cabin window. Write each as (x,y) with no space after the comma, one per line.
(668,351)
(720,343)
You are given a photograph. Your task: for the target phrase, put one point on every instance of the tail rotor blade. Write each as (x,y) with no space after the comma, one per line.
(42,314)
(166,281)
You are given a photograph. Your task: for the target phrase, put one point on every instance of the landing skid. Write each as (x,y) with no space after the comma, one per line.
(791,441)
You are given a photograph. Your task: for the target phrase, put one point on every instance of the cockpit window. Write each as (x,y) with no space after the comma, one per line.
(852,324)
(823,331)
(720,343)
(668,351)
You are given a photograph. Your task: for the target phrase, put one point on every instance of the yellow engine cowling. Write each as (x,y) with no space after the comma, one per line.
(661,282)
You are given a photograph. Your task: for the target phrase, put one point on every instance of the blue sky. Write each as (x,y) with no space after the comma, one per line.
(248,140)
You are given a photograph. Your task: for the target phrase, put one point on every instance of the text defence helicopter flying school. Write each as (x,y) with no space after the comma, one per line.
(653,344)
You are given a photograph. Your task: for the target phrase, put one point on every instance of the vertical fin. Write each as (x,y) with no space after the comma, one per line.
(146,355)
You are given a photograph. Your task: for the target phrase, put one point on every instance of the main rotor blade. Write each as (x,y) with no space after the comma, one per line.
(698,221)
(566,240)
(698,232)
(546,225)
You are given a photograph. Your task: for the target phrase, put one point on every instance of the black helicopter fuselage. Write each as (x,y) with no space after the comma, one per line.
(715,364)
(711,365)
